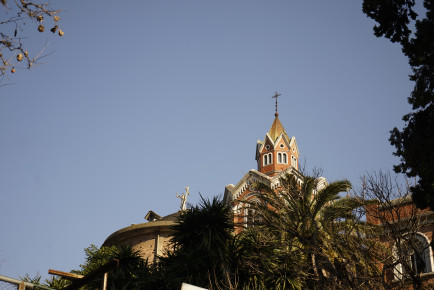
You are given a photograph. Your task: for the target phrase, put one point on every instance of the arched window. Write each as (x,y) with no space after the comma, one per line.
(282,158)
(418,255)
(268,159)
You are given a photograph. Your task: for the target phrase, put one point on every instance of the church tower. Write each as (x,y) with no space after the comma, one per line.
(276,155)
(277,152)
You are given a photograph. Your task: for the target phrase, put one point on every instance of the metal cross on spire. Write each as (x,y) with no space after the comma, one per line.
(276,95)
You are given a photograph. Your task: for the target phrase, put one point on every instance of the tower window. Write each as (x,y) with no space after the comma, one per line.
(268,159)
(294,161)
(282,158)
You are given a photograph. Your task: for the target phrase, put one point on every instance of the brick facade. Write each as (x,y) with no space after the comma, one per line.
(411,223)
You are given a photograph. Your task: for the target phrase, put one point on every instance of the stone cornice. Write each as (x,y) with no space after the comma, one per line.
(137,230)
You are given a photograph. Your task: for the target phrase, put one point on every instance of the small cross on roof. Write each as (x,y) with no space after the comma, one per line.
(276,95)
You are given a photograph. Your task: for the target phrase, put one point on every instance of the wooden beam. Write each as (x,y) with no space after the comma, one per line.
(66,275)
(76,284)
(104,281)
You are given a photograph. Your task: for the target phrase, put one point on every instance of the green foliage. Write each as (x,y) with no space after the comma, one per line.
(54,282)
(201,244)
(34,280)
(392,16)
(415,146)
(132,273)
(205,228)
(307,238)
(129,274)
(420,52)
(265,262)
(96,257)
(415,143)
(318,231)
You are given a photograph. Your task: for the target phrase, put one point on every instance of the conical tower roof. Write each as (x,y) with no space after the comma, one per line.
(276,129)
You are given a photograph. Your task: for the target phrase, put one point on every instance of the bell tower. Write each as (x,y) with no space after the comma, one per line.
(277,152)
(276,155)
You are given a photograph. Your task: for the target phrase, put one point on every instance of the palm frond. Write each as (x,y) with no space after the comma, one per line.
(319,229)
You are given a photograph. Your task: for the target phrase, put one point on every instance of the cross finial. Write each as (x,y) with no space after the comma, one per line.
(276,95)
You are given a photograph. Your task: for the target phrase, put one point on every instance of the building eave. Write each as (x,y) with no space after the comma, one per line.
(232,192)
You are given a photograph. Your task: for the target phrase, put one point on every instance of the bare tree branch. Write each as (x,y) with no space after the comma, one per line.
(401,222)
(13,48)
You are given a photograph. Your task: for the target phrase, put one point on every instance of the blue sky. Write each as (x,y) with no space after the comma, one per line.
(140,99)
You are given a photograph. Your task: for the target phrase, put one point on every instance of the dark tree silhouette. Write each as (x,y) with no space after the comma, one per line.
(414,144)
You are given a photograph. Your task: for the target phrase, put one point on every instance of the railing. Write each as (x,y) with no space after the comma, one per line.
(7,283)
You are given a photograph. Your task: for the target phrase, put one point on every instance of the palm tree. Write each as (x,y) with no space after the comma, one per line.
(313,224)
(202,242)
(263,263)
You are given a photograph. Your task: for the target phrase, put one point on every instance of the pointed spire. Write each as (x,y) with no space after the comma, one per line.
(276,128)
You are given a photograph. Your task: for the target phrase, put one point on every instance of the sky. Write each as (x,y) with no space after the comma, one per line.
(140,99)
